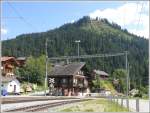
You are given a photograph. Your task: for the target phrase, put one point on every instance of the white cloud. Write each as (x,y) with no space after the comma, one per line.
(72,21)
(3,31)
(128,16)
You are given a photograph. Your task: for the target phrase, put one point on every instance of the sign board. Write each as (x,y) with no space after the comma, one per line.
(51,80)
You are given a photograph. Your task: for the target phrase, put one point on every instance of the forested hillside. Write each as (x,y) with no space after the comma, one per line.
(97,36)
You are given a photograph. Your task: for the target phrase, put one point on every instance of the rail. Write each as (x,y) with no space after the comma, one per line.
(42,107)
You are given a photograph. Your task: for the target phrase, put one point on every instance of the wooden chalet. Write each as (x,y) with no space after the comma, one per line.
(8,66)
(68,80)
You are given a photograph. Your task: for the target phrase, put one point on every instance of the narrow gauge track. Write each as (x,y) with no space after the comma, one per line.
(41,107)
(8,100)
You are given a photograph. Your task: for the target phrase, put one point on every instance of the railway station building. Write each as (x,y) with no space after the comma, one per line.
(68,80)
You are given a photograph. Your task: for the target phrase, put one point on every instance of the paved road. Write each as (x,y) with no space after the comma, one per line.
(143,105)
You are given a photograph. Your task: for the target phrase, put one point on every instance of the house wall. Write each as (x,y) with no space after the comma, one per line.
(8,67)
(8,71)
(70,85)
(4,85)
(103,77)
(11,86)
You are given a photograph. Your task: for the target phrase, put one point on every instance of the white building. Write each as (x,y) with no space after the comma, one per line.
(11,85)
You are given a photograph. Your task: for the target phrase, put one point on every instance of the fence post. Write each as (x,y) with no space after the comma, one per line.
(122,102)
(137,105)
(108,101)
(127,102)
(116,103)
(117,100)
(111,98)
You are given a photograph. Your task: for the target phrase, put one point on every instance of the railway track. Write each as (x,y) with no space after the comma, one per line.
(8,100)
(42,107)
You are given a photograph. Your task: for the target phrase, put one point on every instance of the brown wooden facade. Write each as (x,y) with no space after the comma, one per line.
(8,66)
(69,80)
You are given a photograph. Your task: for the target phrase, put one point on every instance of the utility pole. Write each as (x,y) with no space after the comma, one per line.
(28,79)
(46,65)
(129,77)
(127,73)
(78,41)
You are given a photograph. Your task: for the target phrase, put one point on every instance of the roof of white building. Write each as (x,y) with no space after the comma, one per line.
(99,72)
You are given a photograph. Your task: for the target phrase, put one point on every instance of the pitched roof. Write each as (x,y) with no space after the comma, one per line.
(70,69)
(21,58)
(7,79)
(99,72)
(6,58)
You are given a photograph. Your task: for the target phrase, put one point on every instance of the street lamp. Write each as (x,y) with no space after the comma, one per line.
(78,41)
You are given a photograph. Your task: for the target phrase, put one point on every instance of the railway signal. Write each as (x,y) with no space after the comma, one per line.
(51,80)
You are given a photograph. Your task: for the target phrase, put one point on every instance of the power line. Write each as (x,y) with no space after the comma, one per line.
(136,15)
(140,16)
(87,56)
(20,16)
(124,16)
(10,17)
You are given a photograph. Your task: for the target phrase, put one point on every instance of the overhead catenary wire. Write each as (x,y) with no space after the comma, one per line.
(10,17)
(139,16)
(137,7)
(86,56)
(124,10)
(21,17)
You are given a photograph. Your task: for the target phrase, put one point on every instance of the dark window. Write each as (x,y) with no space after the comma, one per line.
(64,80)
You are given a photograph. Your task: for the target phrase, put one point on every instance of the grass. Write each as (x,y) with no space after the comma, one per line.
(37,88)
(107,85)
(114,107)
(97,105)
(145,96)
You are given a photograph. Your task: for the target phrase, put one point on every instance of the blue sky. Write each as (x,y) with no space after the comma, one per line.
(27,17)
